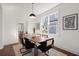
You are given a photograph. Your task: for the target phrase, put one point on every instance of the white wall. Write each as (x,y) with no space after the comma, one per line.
(31,25)
(28,26)
(9,25)
(12,15)
(1,45)
(38,20)
(66,39)
(25,26)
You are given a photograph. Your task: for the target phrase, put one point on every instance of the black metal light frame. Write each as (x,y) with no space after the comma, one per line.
(32,15)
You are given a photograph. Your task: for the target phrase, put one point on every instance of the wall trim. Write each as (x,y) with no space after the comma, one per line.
(67,50)
(1,47)
(9,45)
(12,44)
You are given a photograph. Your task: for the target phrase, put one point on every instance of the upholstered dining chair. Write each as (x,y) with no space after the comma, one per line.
(27,45)
(46,45)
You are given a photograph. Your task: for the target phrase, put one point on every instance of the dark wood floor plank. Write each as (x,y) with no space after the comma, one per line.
(7,51)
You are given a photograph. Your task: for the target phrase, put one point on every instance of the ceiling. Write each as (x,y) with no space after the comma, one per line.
(42,7)
(38,8)
(22,10)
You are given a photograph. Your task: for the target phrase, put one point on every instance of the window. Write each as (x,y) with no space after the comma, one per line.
(52,23)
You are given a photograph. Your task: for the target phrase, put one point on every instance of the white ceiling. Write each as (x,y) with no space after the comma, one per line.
(26,7)
(22,10)
(42,7)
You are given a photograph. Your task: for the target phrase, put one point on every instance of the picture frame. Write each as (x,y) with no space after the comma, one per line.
(38,26)
(70,22)
(45,25)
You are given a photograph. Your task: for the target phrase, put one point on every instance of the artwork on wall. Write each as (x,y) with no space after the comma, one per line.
(70,22)
(45,25)
(53,23)
(33,30)
(38,26)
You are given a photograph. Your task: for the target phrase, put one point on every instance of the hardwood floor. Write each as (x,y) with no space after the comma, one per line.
(8,51)
(65,52)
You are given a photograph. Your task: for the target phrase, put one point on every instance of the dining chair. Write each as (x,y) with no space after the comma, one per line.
(27,45)
(46,45)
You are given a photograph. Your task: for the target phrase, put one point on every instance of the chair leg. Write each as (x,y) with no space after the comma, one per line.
(26,53)
(47,51)
(46,54)
(21,50)
(52,46)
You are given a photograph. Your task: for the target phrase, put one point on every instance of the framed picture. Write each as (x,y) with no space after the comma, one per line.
(70,22)
(38,26)
(45,25)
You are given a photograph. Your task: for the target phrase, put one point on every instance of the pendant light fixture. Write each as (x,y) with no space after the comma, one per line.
(32,15)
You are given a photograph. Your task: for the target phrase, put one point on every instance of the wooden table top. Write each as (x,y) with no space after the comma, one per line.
(39,38)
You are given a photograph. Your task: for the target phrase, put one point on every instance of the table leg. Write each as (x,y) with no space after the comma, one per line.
(35,51)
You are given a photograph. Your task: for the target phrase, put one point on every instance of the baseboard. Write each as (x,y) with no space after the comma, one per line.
(12,44)
(67,51)
(1,47)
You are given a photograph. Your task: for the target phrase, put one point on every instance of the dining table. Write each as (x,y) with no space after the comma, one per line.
(36,39)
